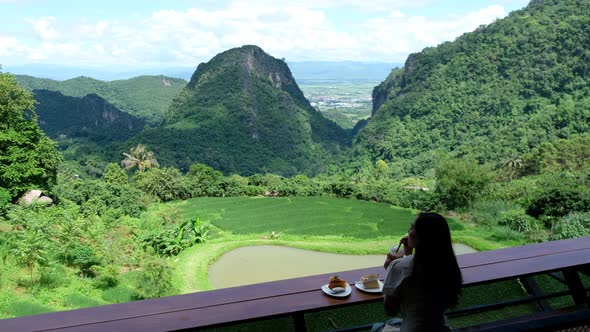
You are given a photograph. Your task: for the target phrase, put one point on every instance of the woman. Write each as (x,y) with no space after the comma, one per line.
(424,284)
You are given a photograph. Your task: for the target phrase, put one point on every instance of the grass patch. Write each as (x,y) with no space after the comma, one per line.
(26,308)
(118,294)
(80,301)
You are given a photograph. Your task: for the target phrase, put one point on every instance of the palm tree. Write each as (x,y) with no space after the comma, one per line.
(513,163)
(139,157)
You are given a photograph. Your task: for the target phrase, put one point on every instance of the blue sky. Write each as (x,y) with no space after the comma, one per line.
(134,33)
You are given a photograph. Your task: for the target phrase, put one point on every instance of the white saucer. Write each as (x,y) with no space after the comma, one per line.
(328,291)
(369,290)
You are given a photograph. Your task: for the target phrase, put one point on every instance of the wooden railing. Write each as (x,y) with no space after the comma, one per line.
(298,296)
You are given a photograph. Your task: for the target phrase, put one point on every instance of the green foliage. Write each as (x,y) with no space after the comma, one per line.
(139,157)
(572,225)
(162,241)
(155,279)
(80,301)
(341,189)
(84,257)
(490,212)
(54,276)
(118,294)
(193,231)
(100,197)
(562,155)
(204,181)
(558,202)
(30,245)
(114,174)
(106,277)
(4,198)
(518,220)
(171,239)
(27,308)
(164,183)
(460,182)
(27,157)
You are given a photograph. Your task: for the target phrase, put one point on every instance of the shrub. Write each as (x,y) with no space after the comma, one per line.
(114,174)
(118,294)
(106,277)
(233,185)
(54,276)
(4,198)
(84,258)
(421,200)
(170,240)
(155,280)
(559,202)
(490,212)
(342,189)
(204,181)
(460,182)
(164,183)
(517,220)
(572,225)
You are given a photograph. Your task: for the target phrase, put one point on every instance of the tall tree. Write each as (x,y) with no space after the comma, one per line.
(140,157)
(28,158)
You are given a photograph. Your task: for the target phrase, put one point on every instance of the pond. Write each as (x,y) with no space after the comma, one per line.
(255,264)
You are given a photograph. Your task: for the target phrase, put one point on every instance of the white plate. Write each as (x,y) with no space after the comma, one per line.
(369,290)
(328,291)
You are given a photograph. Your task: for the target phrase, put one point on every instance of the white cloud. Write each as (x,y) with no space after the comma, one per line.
(9,46)
(398,35)
(44,27)
(296,30)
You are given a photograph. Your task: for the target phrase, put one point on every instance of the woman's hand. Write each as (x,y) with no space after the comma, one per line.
(408,250)
(397,254)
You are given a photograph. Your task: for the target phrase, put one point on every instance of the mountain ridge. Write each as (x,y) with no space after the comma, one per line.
(146,97)
(273,127)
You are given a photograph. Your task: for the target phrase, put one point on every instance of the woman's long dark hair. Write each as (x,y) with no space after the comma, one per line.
(435,264)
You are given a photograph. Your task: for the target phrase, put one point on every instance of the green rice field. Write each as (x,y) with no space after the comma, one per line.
(318,216)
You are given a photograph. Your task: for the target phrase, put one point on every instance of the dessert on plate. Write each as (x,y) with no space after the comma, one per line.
(335,281)
(370,281)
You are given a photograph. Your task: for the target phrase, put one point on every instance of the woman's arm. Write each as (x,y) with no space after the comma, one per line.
(391,257)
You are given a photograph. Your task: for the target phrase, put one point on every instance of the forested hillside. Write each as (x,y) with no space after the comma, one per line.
(242,112)
(146,97)
(89,117)
(495,93)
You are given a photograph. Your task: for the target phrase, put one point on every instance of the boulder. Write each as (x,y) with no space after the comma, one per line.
(34,196)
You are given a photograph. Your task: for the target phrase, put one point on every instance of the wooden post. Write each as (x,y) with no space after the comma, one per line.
(575,285)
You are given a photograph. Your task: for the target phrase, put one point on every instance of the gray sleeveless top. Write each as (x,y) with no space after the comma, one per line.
(420,310)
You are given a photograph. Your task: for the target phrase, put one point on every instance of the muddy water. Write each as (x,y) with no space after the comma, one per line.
(254,264)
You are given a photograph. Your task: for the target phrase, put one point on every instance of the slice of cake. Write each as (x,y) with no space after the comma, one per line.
(370,281)
(335,281)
